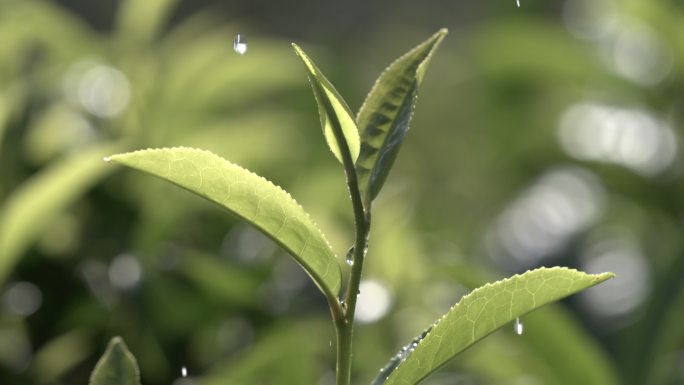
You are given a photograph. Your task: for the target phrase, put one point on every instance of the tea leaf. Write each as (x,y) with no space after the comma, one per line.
(116,367)
(250,197)
(483,311)
(337,120)
(384,117)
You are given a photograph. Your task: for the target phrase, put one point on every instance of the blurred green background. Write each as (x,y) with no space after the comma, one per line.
(544,135)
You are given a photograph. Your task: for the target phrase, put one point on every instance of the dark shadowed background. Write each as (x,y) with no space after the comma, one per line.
(544,135)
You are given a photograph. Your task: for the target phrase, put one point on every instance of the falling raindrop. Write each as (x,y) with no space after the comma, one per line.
(518,3)
(184,371)
(240,44)
(350,256)
(518,326)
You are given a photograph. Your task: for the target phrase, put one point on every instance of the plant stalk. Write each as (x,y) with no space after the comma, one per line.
(345,327)
(344,323)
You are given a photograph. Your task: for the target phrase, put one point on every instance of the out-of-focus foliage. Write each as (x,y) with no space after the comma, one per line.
(546,134)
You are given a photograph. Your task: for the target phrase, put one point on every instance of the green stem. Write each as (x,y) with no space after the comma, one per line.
(345,326)
(344,352)
(343,313)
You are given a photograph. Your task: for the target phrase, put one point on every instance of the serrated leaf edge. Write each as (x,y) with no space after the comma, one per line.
(439,35)
(597,277)
(113,158)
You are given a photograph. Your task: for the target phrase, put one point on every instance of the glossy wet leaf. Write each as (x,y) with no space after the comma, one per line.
(250,197)
(337,120)
(384,118)
(116,367)
(34,205)
(483,311)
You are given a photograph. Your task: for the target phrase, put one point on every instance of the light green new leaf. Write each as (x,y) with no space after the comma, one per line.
(250,197)
(384,117)
(337,120)
(483,311)
(116,367)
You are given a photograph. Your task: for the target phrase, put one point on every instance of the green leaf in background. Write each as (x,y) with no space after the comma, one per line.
(142,20)
(116,367)
(42,198)
(4,115)
(252,198)
(336,117)
(483,311)
(385,115)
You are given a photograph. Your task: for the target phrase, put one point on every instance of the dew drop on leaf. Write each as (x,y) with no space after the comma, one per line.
(518,326)
(399,358)
(240,44)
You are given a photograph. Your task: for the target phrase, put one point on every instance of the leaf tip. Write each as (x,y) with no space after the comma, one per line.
(117,344)
(604,276)
(113,158)
(298,50)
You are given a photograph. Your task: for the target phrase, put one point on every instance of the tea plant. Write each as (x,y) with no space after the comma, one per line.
(366,146)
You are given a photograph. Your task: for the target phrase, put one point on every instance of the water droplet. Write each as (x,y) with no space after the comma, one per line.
(518,3)
(399,358)
(240,44)
(107,159)
(330,343)
(350,256)
(184,371)
(518,326)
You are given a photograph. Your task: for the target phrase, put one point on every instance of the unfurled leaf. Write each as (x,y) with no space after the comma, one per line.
(337,120)
(250,197)
(483,311)
(116,367)
(384,118)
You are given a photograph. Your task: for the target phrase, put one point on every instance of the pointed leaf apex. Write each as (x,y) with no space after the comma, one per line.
(337,121)
(117,366)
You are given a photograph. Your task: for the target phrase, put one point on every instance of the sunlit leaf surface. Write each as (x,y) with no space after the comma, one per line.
(336,117)
(385,116)
(249,196)
(483,311)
